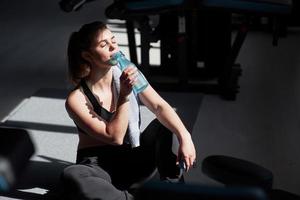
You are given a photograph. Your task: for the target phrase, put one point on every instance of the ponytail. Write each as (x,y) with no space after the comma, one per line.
(78,67)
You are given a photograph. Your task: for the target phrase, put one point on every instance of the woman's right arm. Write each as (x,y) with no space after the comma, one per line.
(113,132)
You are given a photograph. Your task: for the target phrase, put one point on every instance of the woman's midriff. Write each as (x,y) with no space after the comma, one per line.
(88,141)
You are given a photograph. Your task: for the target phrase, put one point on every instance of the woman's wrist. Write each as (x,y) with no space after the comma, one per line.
(182,136)
(123,99)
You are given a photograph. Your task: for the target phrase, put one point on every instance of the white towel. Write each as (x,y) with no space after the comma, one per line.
(133,132)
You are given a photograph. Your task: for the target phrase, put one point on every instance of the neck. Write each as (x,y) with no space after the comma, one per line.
(100,80)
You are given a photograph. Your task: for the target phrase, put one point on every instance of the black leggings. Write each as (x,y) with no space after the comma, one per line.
(108,172)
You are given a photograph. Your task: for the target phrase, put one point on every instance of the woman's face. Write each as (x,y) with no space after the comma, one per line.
(103,47)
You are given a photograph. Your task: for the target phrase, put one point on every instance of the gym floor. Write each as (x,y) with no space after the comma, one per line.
(262,125)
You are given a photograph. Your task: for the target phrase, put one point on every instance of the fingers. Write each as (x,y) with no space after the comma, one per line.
(192,162)
(186,163)
(130,72)
(127,80)
(129,76)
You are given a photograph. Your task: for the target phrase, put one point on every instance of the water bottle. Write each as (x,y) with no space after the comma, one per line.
(141,82)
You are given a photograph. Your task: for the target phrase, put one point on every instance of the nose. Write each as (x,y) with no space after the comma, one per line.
(113,47)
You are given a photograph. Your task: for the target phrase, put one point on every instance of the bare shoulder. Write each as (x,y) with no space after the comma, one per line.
(75,94)
(74,99)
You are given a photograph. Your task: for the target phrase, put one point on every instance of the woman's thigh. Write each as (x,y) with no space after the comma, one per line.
(89,182)
(158,138)
(156,135)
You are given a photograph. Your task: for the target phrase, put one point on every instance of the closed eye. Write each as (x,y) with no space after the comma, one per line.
(113,40)
(103,43)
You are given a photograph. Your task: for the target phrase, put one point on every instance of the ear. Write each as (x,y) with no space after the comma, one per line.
(86,56)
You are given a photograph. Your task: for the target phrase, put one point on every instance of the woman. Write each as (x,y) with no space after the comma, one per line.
(112,154)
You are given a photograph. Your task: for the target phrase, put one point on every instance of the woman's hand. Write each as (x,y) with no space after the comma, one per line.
(127,80)
(187,152)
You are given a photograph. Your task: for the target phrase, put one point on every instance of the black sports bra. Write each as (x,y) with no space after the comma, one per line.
(102,112)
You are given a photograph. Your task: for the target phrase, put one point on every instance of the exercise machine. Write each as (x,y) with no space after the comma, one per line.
(197,51)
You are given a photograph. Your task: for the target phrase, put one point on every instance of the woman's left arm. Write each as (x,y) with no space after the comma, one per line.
(169,118)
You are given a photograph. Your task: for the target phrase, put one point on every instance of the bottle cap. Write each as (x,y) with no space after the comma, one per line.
(112,61)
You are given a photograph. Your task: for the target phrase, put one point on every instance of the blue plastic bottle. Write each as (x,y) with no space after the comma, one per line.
(141,82)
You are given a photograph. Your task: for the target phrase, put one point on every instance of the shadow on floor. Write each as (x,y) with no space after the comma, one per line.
(40,180)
